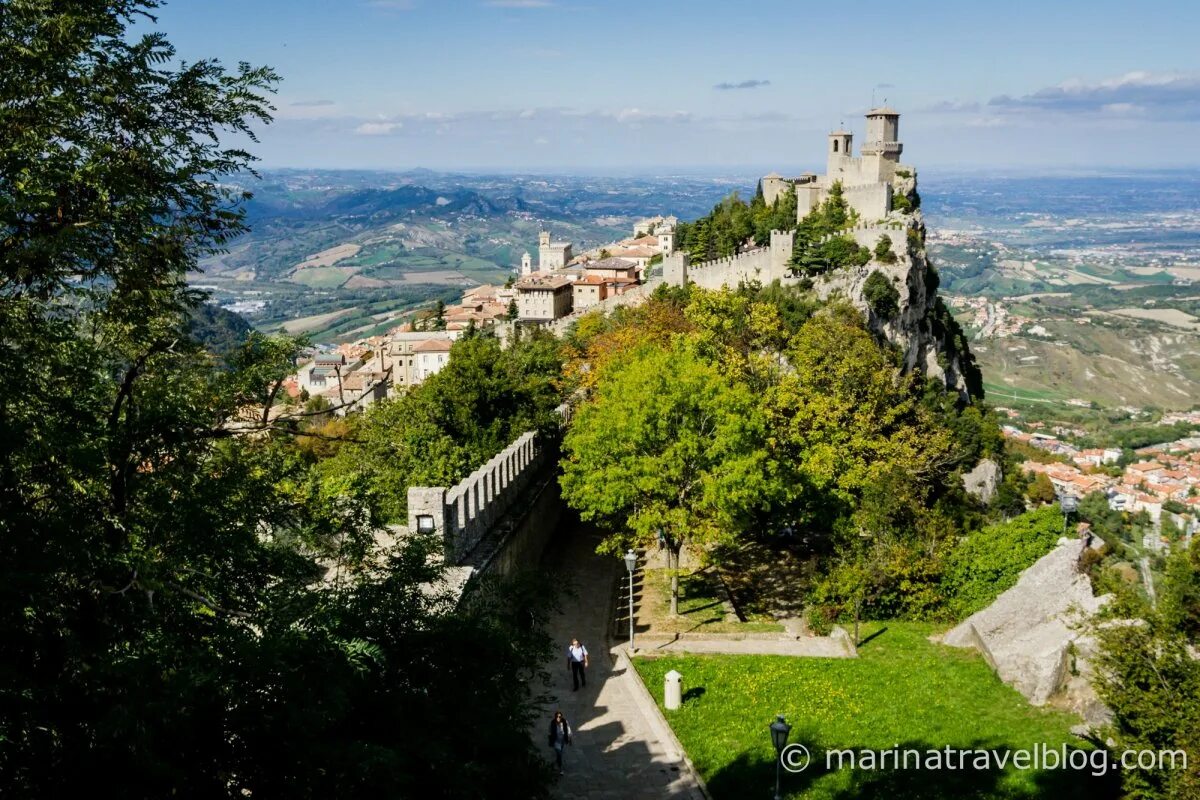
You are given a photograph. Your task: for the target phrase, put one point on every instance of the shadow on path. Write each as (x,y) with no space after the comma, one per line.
(615,752)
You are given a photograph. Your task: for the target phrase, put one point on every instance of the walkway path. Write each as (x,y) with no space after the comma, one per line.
(619,750)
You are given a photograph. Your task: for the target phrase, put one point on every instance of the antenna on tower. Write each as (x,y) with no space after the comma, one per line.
(872,97)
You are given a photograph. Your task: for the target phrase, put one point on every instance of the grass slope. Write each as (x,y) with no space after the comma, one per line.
(902,690)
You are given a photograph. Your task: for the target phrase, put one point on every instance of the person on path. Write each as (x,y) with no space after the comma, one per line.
(577,662)
(559,737)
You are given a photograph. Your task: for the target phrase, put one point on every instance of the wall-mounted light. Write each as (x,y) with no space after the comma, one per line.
(424,523)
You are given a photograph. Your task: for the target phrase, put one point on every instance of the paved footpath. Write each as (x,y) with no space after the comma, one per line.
(619,750)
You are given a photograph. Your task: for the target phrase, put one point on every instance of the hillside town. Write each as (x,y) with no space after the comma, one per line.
(1163,480)
(352,376)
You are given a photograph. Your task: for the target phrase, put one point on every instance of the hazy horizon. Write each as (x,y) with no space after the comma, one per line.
(536,85)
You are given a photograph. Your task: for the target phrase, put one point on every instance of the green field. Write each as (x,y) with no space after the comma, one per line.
(902,690)
(322,277)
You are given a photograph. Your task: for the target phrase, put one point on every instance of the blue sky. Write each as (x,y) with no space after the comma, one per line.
(585,85)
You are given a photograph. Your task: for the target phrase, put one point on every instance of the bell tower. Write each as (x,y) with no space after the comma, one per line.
(841,146)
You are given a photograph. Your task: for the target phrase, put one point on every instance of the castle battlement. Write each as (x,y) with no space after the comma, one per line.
(867,179)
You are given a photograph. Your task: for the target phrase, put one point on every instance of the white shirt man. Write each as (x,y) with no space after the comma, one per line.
(577,662)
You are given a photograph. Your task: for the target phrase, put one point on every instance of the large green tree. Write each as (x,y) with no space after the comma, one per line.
(668,444)
(186,611)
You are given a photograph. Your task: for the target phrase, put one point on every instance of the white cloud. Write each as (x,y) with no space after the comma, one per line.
(1155,95)
(378,128)
(750,84)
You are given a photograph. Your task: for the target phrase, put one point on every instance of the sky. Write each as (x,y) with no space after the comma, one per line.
(615,86)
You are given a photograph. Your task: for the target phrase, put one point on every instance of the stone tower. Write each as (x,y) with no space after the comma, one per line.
(841,145)
(666,241)
(883,134)
(526,263)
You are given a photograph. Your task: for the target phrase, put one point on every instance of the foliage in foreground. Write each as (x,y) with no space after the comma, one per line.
(1148,674)
(989,561)
(186,611)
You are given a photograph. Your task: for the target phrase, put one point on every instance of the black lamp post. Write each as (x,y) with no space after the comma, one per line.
(779,736)
(630,565)
(1069,504)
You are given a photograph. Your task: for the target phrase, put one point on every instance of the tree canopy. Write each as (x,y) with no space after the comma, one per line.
(187,608)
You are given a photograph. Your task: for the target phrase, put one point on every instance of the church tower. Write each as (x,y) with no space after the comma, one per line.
(526,263)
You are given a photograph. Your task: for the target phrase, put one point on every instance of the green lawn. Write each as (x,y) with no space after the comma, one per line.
(902,690)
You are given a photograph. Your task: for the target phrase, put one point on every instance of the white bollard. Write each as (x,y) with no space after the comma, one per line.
(672,690)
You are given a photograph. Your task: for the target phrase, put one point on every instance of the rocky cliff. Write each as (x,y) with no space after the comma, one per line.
(929,338)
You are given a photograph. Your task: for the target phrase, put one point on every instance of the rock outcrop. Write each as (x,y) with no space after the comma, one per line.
(983,480)
(1033,634)
(930,339)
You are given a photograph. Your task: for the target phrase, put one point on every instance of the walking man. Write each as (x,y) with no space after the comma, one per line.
(560,737)
(577,662)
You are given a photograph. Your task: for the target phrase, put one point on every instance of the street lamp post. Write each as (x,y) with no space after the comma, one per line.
(779,736)
(1069,504)
(630,565)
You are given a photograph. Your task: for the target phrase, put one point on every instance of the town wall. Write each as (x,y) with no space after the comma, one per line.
(469,512)
(762,264)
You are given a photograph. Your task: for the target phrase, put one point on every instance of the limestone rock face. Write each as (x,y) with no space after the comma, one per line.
(1032,635)
(922,330)
(982,481)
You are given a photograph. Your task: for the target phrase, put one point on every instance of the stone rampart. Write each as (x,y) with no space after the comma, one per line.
(464,514)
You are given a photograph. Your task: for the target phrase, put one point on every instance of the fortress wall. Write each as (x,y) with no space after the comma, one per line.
(868,236)
(872,201)
(467,511)
(752,265)
(847,169)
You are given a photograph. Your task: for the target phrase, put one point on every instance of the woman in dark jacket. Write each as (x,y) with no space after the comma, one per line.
(559,737)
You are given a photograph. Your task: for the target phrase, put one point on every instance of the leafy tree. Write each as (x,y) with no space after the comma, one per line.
(989,561)
(667,444)
(1147,675)
(817,247)
(220,331)
(187,611)
(513,312)
(1041,490)
(455,420)
(843,419)
(598,339)
(882,296)
(439,316)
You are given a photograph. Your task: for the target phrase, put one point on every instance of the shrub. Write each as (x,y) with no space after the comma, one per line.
(915,240)
(901,203)
(989,561)
(881,295)
(883,250)
(820,619)
(903,173)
